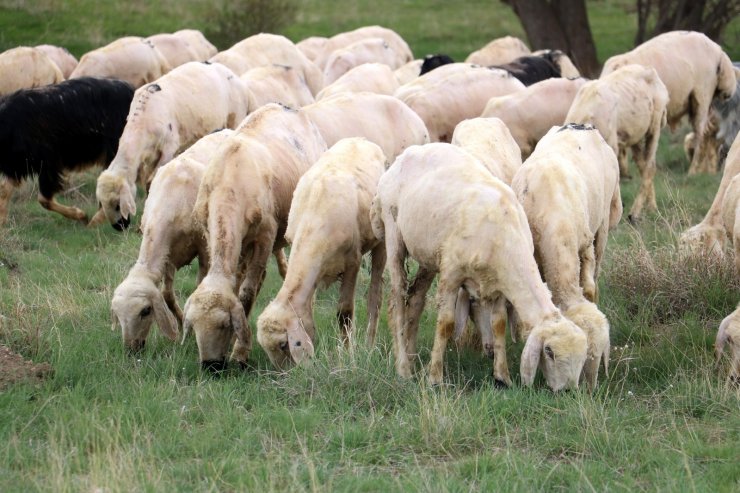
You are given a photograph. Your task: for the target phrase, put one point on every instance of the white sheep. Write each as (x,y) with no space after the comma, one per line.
(131,58)
(709,237)
(694,70)
(440,206)
(198,42)
(531,113)
(276,84)
(329,230)
(311,46)
(499,51)
(25,67)
(243,204)
(368,77)
(729,333)
(489,140)
(175,49)
(170,240)
(381,119)
(342,40)
(270,49)
(165,118)
(628,107)
(369,50)
(408,71)
(63,58)
(569,188)
(454,92)
(563,62)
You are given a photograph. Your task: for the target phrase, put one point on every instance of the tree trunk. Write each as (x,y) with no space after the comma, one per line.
(710,17)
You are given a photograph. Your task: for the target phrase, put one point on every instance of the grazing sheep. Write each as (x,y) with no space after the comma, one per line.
(243,204)
(439,205)
(488,140)
(628,107)
(203,48)
(452,93)
(709,236)
(531,113)
(564,64)
(329,229)
(694,70)
(369,50)
(569,189)
(276,84)
(531,69)
(50,130)
(26,68)
(63,58)
(431,62)
(132,59)
(368,77)
(381,119)
(165,118)
(170,241)
(311,46)
(270,49)
(729,332)
(342,40)
(408,71)
(175,49)
(498,51)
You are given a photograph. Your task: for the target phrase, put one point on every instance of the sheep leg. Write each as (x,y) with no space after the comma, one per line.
(500,364)
(6,191)
(446,297)
(599,248)
(699,117)
(202,268)
(346,308)
(415,306)
(646,194)
(50,204)
(375,291)
(396,251)
(624,165)
(98,219)
(168,293)
(588,268)
(282,262)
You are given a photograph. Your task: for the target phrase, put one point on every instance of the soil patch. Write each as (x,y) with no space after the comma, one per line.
(13,369)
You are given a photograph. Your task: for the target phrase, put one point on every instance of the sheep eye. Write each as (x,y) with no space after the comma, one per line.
(146,312)
(549,353)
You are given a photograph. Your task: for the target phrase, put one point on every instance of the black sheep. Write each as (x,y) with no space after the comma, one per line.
(433,61)
(532,69)
(48,131)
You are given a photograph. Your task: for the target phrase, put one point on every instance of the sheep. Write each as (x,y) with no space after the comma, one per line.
(170,240)
(729,332)
(569,189)
(371,77)
(489,140)
(628,107)
(276,84)
(694,70)
(342,40)
(564,64)
(431,62)
(531,113)
(450,94)
(131,58)
(709,237)
(381,119)
(270,49)
(165,118)
(50,130)
(311,46)
(408,71)
(25,68)
(175,49)
(367,50)
(329,229)
(243,204)
(203,48)
(498,51)
(531,69)
(439,205)
(63,58)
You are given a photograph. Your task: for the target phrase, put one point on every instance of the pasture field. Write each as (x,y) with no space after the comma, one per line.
(665,419)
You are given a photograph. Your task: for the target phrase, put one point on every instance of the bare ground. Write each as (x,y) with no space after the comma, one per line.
(13,369)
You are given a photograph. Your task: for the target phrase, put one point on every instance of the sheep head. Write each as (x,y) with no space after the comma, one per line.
(704,239)
(136,304)
(216,315)
(729,333)
(558,347)
(117,199)
(283,337)
(596,327)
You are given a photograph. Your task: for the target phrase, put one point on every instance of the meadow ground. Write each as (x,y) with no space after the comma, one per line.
(664,419)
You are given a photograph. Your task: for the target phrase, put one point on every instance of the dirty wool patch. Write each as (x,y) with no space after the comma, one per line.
(13,368)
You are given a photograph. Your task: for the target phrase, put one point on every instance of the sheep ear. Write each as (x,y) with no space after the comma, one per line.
(241,325)
(115,324)
(462,312)
(722,337)
(165,319)
(530,358)
(299,343)
(128,202)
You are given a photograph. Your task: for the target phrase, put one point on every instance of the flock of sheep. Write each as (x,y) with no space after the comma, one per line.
(499,175)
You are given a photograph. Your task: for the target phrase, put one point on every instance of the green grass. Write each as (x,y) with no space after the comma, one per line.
(663,420)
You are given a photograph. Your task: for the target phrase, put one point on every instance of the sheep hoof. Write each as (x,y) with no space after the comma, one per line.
(500,384)
(633,220)
(215,367)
